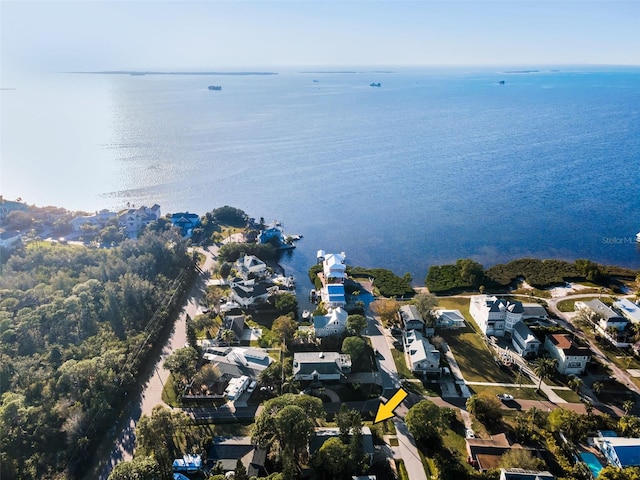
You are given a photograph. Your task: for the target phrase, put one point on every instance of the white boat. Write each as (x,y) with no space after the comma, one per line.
(638,237)
(306,314)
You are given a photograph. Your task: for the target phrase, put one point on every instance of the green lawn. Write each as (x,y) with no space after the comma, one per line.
(568,395)
(401,364)
(518,393)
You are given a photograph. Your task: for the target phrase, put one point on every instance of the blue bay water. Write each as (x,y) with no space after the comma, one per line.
(430,167)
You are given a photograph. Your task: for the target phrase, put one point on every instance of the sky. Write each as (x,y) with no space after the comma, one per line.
(185,35)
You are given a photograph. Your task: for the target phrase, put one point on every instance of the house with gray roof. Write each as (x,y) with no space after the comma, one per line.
(606,320)
(451,319)
(333,323)
(225,452)
(185,221)
(251,267)
(236,361)
(524,341)
(411,318)
(319,366)
(628,309)
(521,474)
(248,293)
(421,356)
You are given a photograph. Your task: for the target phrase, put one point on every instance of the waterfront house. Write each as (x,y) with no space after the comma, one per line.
(451,319)
(99,219)
(334,273)
(410,318)
(628,309)
(421,356)
(134,219)
(248,293)
(572,358)
(8,206)
(319,366)
(621,452)
(185,221)
(495,317)
(608,323)
(274,234)
(524,341)
(333,323)
(251,267)
(225,452)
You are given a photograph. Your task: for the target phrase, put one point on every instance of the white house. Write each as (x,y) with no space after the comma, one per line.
(251,267)
(521,474)
(495,316)
(411,318)
(572,358)
(628,309)
(236,361)
(534,311)
(621,452)
(248,293)
(449,319)
(333,323)
(605,320)
(524,341)
(421,356)
(318,366)
(334,273)
(99,219)
(134,219)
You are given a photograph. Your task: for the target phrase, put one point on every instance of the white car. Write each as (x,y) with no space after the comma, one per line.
(468,433)
(505,397)
(252,387)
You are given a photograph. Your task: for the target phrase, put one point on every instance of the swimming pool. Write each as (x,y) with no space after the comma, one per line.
(592,462)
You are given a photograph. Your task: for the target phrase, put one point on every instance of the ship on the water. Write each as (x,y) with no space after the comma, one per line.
(215,87)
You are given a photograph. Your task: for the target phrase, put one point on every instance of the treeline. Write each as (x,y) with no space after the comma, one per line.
(466,274)
(76,326)
(387,282)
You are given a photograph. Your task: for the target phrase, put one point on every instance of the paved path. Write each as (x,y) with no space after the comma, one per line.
(152,392)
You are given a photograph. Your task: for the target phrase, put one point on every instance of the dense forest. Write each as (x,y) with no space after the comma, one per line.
(76,327)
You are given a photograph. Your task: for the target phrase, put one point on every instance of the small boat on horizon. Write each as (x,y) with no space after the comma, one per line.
(215,87)
(638,237)
(374,84)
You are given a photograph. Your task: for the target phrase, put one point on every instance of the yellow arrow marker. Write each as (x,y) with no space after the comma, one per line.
(385,410)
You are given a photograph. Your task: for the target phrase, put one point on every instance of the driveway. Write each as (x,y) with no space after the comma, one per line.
(386,365)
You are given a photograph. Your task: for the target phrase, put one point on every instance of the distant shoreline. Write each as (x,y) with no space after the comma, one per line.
(141,73)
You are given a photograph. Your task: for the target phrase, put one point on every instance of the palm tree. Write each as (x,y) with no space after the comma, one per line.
(575,383)
(535,416)
(627,406)
(544,368)
(597,387)
(227,336)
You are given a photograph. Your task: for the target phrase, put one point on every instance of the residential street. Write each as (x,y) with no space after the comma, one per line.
(152,392)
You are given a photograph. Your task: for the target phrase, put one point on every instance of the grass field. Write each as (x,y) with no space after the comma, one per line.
(518,393)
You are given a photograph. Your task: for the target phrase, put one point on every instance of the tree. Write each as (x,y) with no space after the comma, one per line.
(425,302)
(145,468)
(425,421)
(521,458)
(544,368)
(284,327)
(354,346)
(155,436)
(331,461)
(611,472)
(575,383)
(182,365)
(227,336)
(240,473)
(629,426)
(356,324)
(627,406)
(597,387)
(286,303)
(487,409)
(387,310)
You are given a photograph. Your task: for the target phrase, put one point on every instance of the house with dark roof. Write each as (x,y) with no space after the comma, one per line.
(486,454)
(495,316)
(251,267)
(524,341)
(319,366)
(572,358)
(411,318)
(185,221)
(248,293)
(225,452)
(534,311)
(134,219)
(235,323)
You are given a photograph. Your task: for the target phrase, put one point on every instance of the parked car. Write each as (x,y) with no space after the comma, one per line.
(468,433)
(505,397)
(252,387)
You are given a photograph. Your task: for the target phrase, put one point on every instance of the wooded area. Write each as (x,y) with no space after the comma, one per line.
(77,325)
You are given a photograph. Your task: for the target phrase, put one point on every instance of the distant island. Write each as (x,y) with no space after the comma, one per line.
(140,73)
